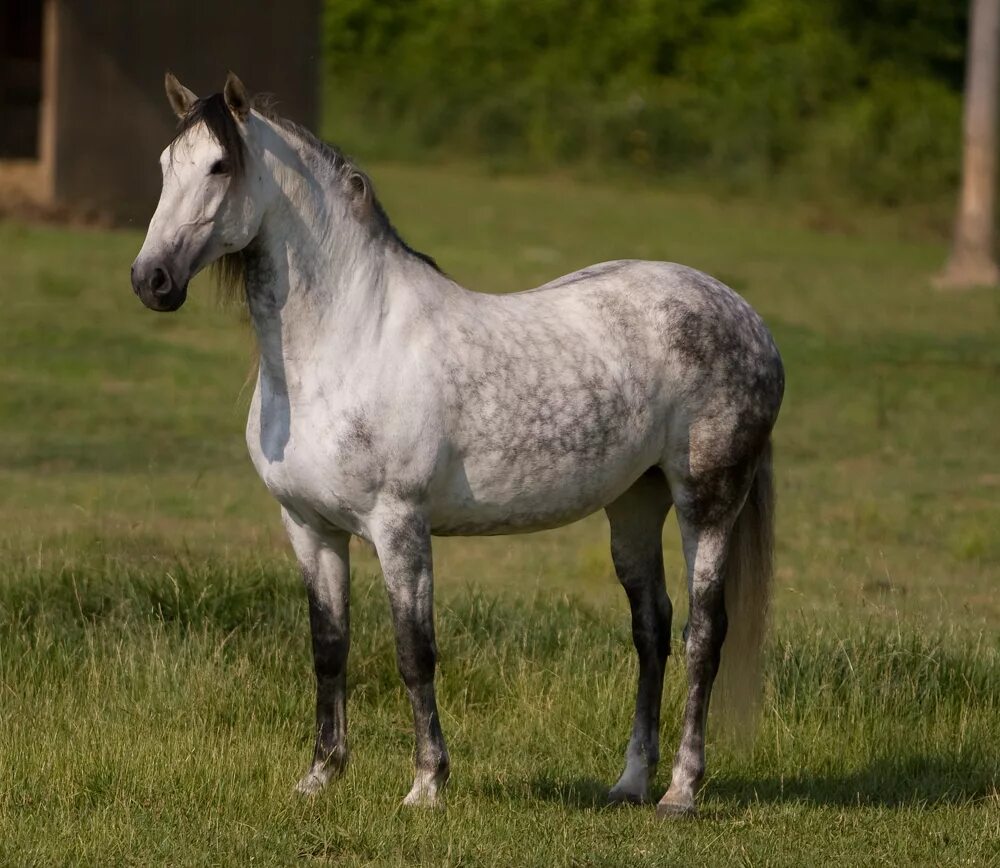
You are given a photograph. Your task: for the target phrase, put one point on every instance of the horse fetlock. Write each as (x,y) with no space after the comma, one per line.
(333,761)
(327,766)
(633,785)
(438,769)
(428,787)
(686,776)
(312,782)
(630,790)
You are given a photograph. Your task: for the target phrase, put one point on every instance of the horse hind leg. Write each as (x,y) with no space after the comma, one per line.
(636,520)
(725,523)
(707,624)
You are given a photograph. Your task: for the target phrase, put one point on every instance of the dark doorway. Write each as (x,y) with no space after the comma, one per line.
(20,77)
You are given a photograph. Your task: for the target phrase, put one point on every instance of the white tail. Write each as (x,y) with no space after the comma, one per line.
(748,573)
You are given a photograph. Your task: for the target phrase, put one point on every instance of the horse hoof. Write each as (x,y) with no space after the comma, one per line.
(618,796)
(310,785)
(425,793)
(676,806)
(424,799)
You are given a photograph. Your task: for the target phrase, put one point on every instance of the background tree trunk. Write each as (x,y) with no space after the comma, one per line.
(973,261)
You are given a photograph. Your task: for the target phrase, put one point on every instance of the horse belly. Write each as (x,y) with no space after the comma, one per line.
(550,438)
(483,497)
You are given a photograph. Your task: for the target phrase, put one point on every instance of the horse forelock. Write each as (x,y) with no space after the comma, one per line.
(213,112)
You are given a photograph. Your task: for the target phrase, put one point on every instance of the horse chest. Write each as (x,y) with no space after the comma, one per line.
(307,463)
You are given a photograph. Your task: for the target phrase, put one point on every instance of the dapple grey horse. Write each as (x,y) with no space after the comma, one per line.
(393,404)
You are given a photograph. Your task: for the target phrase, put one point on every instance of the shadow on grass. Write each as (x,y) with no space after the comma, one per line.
(914,782)
(889,782)
(578,793)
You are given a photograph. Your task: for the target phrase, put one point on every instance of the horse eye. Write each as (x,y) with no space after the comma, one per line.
(219,167)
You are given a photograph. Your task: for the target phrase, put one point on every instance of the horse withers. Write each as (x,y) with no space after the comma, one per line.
(393,404)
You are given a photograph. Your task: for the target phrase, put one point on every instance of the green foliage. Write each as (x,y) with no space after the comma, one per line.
(862,95)
(897,140)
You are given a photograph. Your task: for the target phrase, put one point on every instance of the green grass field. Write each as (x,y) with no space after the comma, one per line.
(155,678)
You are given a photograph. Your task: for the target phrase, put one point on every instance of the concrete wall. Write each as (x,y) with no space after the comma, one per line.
(105,117)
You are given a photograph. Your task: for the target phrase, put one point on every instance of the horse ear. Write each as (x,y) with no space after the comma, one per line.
(359,190)
(180,98)
(237,98)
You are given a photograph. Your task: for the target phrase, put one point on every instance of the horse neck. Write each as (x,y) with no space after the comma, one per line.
(315,277)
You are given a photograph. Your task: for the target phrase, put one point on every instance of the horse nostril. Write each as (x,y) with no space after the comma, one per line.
(158,279)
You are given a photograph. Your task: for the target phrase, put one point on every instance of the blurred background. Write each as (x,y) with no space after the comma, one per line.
(848,98)
(808,153)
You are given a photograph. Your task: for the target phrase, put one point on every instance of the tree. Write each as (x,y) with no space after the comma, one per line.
(972,261)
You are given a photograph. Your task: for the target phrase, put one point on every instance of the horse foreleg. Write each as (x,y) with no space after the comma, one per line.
(403,543)
(636,520)
(326,572)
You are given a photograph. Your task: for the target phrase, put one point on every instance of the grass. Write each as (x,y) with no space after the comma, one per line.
(155,685)
(157,717)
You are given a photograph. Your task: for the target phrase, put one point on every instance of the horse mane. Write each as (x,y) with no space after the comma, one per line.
(230,270)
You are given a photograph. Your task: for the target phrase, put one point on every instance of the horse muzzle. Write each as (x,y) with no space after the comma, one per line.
(156,287)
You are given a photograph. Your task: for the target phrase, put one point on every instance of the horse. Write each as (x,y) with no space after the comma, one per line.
(393,404)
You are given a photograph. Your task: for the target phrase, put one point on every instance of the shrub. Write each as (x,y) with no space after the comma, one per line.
(862,93)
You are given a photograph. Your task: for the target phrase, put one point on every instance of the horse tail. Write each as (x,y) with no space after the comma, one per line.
(747,579)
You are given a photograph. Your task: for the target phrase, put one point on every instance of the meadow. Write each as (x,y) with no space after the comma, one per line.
(155,676)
